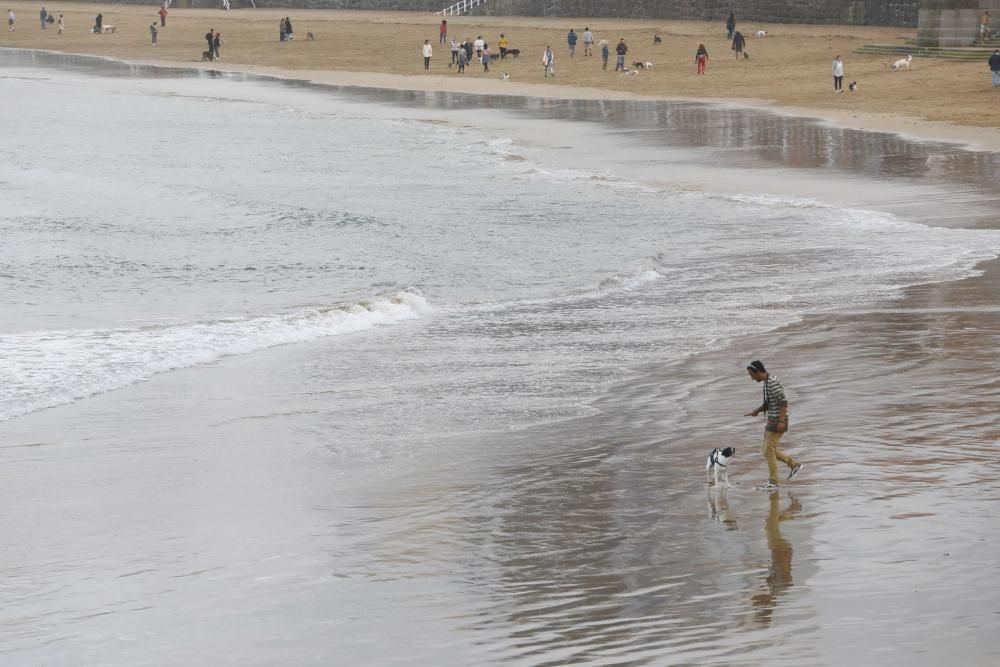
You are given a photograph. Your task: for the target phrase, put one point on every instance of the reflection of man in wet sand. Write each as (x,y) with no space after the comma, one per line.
(776,406)
(779,578)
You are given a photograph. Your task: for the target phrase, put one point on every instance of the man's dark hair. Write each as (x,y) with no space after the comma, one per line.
(756,365)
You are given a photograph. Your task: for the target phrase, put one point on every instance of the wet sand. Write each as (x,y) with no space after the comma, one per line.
(590,541)
(790,69)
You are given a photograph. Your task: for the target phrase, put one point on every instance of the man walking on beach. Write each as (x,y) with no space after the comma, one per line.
(605,52)
(210,38)
(995,67)
(163,16)
(588,42)
(838,75)
(571,40)
(739,43)
(443,33)
(44,16)
(60,24)
(776,406)
(621,50)
(152,32)
(503,43)
(10,20)
(428,52)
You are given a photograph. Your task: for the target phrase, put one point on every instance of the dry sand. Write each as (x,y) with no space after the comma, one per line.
(790,70)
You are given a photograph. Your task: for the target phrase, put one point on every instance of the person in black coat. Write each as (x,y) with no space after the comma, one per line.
(739,43)
(995,67)
(730,26)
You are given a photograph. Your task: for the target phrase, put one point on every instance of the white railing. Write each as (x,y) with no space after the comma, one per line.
(460,7)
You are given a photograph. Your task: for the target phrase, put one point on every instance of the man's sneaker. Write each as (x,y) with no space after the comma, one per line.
(795,471)
(768,486)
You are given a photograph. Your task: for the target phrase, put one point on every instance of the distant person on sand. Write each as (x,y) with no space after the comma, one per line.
(588,42)
(163,17)
(225,5)
(463,60)
(605,52)
(739,43)
(99,24)
(776,406)
(210,39)
(216,43)
(486,57)
(478,46)
(621,50)
(995,67)
(503,44)
(44,16)
(10,20)
(289,33)
(548,62)
(571,40)
(730,26)
(984,27)
(838,75)
(428,52)
(701,58)
(468,49)
(443,33)
(61,24)
(152,32)
(454,52)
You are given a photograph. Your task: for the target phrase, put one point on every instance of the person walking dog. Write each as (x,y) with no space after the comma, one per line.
(838,74)
(776,406)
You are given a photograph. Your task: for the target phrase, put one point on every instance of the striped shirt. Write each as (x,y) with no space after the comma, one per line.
(774,398)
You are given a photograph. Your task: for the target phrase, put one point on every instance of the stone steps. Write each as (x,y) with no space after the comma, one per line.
(970,54)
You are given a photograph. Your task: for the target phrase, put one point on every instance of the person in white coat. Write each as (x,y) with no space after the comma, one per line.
(838,74)
(428,52)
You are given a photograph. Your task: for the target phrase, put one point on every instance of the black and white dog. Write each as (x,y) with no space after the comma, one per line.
(718,464)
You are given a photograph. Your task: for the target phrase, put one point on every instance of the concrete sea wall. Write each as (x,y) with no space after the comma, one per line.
(851,12)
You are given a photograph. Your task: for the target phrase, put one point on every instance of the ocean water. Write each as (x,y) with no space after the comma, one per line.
(347,314)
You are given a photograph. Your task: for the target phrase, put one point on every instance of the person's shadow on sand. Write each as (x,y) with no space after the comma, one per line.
(779,578)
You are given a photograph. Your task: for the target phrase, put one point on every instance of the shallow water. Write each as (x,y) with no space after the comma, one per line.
(295,372)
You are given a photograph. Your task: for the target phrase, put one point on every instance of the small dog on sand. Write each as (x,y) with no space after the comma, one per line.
(506,77)
(657,40)
(206,55)
(901,64)
(718,464)
(310,37)
(762,33)
(514,53)
(853,86)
